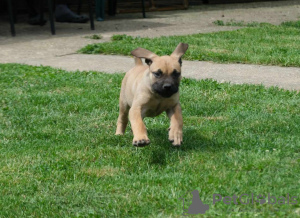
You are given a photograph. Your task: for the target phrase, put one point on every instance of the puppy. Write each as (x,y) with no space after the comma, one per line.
(148,90)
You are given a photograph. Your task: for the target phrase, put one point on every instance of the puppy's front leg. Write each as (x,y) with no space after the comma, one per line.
(176,123)
(138,127)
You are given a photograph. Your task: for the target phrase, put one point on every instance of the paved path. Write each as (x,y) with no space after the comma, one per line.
(34,45)
(283,77)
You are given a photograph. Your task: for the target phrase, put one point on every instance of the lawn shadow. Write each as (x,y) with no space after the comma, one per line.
(193,141)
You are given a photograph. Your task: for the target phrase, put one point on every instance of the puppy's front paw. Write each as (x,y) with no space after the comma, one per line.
(175,136)
(141,141)
(119,133)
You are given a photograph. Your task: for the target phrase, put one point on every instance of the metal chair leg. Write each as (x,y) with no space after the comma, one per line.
(14,9)
(41,12)
(79,7)
(91,15)
(11,18)
(143,7)
(50,6)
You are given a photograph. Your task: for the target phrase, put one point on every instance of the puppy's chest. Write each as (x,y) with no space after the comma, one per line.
(152,110)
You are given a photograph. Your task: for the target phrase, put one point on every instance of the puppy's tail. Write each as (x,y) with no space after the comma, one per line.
(138,61)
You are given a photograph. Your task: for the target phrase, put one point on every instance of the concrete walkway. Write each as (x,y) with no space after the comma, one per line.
(35,45)
(283,77)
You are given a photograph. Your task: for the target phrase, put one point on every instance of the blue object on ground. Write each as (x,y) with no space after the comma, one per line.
(100,10)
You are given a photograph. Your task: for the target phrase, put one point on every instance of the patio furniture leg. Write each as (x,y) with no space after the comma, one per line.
(143,7)
(41,12)
(50,6)
(79,7)
(91,15)
(11,18)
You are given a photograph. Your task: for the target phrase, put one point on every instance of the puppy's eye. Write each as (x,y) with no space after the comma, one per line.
(176,74)
(157,74)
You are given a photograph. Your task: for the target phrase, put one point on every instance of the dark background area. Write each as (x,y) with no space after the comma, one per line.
(125,6)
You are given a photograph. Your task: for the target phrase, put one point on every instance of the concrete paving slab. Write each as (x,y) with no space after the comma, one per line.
(283,77)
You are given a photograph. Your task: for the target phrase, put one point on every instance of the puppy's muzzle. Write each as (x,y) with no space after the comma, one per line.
(167,86)
(165,90)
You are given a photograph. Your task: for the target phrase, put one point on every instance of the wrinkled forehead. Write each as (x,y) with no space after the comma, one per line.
(166,64)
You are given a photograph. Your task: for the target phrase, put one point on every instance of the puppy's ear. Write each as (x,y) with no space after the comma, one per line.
(180,50)
(144,53)
(180,61)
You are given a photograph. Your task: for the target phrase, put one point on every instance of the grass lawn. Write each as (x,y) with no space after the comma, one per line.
(59,156)
(261,44)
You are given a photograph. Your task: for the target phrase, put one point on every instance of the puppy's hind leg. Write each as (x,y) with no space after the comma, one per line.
(123,118)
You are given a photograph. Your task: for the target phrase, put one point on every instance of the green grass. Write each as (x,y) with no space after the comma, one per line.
(59,156)
(238,23)
(266,44)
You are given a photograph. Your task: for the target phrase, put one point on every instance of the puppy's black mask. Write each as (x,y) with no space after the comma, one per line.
(166,85)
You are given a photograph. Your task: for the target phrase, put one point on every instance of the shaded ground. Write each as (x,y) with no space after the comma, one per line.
(35,45)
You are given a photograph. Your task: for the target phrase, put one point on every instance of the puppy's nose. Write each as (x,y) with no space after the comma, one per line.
(167,86)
